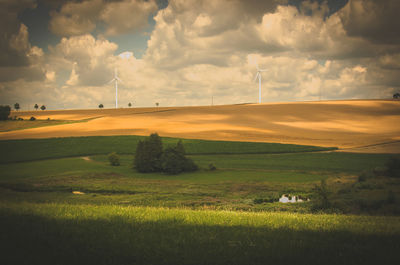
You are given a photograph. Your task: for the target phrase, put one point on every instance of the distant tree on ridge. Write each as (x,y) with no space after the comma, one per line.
(101,106)
(16,106)
(36,106)
(43,107)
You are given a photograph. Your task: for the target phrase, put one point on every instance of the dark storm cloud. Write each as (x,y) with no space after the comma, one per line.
(375,20)
(12,46)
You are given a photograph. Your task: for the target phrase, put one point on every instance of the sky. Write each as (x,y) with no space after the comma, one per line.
(62,54)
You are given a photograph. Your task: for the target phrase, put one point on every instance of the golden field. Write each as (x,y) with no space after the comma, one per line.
(351,125)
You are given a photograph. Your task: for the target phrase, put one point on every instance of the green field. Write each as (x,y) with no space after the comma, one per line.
(62,203)
(51,233)
(35,149)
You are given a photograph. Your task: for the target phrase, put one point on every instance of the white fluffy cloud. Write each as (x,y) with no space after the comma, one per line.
(201,49)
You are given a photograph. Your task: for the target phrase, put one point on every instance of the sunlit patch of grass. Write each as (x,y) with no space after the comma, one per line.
(123,234)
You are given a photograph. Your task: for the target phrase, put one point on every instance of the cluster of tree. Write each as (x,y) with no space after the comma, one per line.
(17,106)
(4,112)
(150,157)
(396,95)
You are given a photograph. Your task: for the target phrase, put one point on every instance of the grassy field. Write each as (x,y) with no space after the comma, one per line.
(35,149)
(82,234)
(76,208)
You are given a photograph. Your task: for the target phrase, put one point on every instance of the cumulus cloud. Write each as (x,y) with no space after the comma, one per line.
(200,50)
(75,18)
(120,17)
(127,16)
(90,60)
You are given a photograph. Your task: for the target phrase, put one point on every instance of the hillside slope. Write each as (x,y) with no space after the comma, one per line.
(349,125)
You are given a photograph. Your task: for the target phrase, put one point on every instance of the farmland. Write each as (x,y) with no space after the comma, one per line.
(61,202)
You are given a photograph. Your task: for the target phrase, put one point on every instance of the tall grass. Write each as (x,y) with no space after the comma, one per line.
(82,234)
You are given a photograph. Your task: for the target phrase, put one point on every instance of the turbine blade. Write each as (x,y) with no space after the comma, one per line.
(109,82)
(255,78)
(117,78)
(262,70)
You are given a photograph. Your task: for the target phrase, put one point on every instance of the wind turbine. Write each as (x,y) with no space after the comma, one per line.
(115,79)
(259,81)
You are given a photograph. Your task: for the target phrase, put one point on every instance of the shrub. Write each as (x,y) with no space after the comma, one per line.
(32,118)
(322,202)
(114,159)
(172,161)
(20,119)
(393,167)
(211,167)
(4,112)
(175,162)
(362,177)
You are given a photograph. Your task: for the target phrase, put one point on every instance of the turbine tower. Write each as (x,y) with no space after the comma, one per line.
(259,81)
(115,79)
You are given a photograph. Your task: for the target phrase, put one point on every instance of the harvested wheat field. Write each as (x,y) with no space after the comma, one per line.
(353,125)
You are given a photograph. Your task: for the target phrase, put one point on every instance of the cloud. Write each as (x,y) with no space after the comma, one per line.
(75,18)
(374,20)
(200,50)
(14,44)
(19,60)
(121,17)
(127,16)
(90,60)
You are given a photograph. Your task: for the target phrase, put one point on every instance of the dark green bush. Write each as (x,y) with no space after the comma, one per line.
(321,202)
(4,112)
(393,167)
(114,159)
(175,162)
(32,118)
(211,167)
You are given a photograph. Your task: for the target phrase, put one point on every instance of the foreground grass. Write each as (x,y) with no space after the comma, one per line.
(36,149)
(82,234)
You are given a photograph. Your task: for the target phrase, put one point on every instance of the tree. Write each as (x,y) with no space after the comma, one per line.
(16,106)
(101,106)
(129,104)
(157,104)
(175,162)
(113,158)
(148,154)
(4,112)
(396,95)
(150,157)
(36,106)
(43,107)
